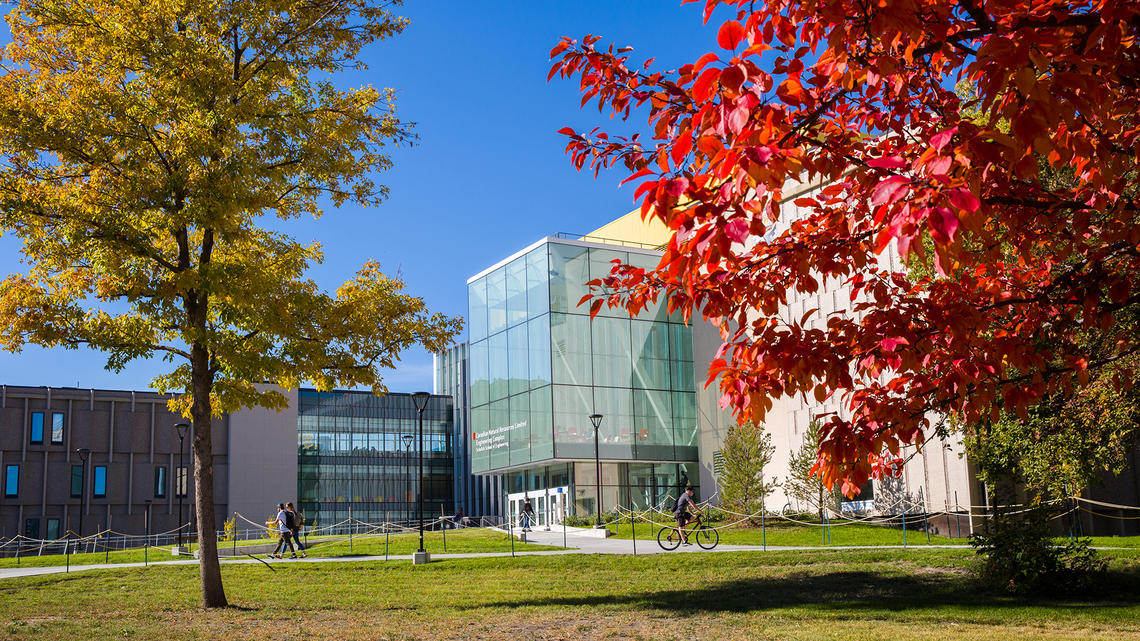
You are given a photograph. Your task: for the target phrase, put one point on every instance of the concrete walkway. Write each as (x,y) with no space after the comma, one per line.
(578,541)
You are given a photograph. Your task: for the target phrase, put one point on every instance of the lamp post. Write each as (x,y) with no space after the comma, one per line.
(83,453)
(407,439)
(421,401)
(596,419)
(182,428)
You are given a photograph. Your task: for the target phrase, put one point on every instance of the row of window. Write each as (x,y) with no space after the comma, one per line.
(98,482)
(38,423)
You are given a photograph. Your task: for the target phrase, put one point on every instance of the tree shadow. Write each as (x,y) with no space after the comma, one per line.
(866,592)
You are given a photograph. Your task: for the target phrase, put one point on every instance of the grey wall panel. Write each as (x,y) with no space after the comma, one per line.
(263,455)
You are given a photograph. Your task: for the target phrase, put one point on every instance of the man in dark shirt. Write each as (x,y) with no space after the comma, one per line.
(681,511)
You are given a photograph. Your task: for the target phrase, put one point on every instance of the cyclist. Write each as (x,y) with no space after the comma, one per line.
(681,511)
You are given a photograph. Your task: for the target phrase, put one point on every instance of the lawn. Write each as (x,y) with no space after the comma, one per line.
(782,533)
(466,540)
(844,594)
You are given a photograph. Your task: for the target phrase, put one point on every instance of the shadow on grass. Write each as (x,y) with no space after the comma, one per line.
(865,592)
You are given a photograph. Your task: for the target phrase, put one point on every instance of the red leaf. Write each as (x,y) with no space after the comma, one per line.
(889,190)
(702,88)
(737,230)
(730,35)
(963,199)
(940,139)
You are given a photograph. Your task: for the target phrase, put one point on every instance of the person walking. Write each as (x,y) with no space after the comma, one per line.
(527,515)
(457,521)
(295,527)
(283,534)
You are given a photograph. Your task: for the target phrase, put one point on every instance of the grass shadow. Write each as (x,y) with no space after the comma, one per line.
(866,592)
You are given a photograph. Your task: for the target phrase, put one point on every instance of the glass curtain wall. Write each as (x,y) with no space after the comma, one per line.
(353,455)
(540,366)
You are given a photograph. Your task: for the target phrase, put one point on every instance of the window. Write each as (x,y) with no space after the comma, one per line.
(76,481)
(53,529)
(32,528)
(57,427)
(181,482)
(12,482)
(37,428)
(159,482)
(99,486)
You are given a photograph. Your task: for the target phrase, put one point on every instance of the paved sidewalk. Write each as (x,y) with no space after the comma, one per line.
(576,539)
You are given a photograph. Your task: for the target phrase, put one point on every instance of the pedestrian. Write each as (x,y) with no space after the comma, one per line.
(527,515)
(297,522)
(283,534)
(457,521)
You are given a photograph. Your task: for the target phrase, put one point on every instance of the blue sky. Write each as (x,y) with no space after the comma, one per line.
(487,177)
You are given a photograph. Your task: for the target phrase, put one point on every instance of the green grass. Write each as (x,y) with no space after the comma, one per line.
(787,534)
(816,594)
(472,540)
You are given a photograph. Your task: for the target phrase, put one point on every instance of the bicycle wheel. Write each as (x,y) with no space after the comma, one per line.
(707,537)
(668,538)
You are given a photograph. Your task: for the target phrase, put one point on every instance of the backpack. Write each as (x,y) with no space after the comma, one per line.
(290,520)
(299,519)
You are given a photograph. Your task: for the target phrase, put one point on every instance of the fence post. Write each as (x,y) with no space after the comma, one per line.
(443,527)
(386,529)
(763,525)
(563,502)
(925,522)
(510,527)
(904,524)
(633,526)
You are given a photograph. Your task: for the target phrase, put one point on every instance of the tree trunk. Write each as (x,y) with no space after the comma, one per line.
(213,594)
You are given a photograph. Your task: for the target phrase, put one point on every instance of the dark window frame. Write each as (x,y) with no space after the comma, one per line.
(160,482)
(9,491)
(62,427)
(32,432)
(76,490)
(95,482)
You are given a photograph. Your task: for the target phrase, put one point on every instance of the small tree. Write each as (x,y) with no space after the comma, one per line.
(802,485)
(747,450)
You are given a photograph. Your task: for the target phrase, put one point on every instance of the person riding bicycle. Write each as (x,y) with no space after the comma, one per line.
(681,511)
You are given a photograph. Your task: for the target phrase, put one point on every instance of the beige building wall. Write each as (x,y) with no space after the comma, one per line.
(630,228)
(936,477)
(263,460)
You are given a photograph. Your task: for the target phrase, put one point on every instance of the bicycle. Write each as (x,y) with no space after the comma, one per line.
(669,538)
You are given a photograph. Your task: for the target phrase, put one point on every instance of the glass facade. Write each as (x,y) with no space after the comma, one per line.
(540,367)
(357,454)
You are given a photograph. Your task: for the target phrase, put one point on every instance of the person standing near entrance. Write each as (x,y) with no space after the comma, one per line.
(527,515)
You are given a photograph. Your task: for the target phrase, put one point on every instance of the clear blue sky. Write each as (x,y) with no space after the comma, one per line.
(488,176)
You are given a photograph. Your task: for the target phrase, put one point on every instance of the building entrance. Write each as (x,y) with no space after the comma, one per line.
(549,505)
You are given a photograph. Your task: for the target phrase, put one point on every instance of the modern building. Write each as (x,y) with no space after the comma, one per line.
(475,495)
(103,458)
(538,368)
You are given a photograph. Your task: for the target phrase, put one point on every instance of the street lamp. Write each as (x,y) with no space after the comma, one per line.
(421,401)
(596,419)
(182,429)
(83,453)
(407,439)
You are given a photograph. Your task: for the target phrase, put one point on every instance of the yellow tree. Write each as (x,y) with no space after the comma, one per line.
(145,145)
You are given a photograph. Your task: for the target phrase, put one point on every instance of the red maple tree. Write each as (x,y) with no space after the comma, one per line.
(1018,192)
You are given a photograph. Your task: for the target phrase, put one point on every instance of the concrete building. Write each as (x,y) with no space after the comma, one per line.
(335,454)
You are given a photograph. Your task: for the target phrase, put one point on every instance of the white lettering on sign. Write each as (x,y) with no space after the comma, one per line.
(495,438)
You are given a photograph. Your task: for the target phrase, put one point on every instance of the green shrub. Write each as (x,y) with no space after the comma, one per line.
(1018,555)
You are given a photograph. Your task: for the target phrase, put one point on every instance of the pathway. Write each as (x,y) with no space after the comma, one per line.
(577,541)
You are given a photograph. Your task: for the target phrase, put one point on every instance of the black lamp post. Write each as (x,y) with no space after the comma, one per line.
(182,429)
(407,439)
(83,453)
(421,401)
(596,419)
